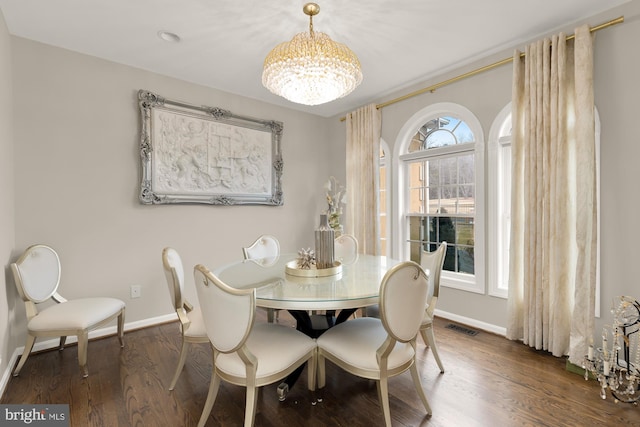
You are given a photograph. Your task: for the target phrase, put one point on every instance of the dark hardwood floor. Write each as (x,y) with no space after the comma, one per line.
(489,381)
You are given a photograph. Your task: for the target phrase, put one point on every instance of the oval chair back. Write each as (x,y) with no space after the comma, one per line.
(264,251)
(266,246)
(228,312)
(37,273)
(403,296)
(346,248)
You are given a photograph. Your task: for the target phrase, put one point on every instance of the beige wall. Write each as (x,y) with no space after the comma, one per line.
(8,296)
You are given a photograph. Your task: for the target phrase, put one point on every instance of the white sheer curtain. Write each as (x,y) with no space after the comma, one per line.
(553,226)
(363,158)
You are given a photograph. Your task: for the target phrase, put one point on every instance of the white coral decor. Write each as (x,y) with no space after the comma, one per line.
(306,258)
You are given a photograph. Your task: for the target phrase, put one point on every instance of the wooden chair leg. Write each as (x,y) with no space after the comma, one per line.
(121,328)
(423,334)
(321,372)
(83,342)
(250,406)
(183,357)
(312,373)
(431,342)
(25,354)
(273,315)
(416,382)
(214,385)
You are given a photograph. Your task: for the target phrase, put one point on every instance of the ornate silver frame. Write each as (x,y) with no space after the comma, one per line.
(201,154)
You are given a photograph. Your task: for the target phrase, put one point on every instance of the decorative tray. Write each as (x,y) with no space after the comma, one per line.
(293,269)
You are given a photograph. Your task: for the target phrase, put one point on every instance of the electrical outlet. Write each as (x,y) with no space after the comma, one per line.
(135,291)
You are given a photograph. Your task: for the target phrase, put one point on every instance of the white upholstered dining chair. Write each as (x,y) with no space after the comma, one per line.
(346,248)
(345,251)
(265,250)
(378,349)
(37,276)
(190,318)
(265,247)
(432,262)
(245,353)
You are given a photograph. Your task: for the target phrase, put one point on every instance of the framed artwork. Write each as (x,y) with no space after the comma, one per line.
(201,154)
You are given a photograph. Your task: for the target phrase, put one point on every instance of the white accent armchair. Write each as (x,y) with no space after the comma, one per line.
(346,248)
(245,353)
(265,250)
(378,349)
(37,276)
(265,247)
(190,317)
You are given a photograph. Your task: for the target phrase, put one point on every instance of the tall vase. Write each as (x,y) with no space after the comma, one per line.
(324,243)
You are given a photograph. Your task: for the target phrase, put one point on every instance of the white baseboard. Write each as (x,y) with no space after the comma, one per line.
(499,330)
(98,333)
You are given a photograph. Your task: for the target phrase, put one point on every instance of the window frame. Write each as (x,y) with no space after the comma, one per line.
(400,246)
(498,284)
(386,163)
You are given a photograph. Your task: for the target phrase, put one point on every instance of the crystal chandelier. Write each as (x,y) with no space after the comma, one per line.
(311,69)
(616,365)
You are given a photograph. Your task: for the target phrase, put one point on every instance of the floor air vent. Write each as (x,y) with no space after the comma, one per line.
(462,329)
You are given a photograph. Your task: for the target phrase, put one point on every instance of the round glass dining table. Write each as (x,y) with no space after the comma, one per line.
(354,285)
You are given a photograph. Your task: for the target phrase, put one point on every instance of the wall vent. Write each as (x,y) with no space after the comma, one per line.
(462,329)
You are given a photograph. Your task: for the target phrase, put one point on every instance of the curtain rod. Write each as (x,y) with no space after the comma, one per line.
(433,88)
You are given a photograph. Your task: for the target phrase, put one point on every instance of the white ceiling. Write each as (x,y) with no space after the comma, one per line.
(225,42)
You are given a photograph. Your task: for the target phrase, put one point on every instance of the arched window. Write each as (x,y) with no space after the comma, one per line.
(440,188)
